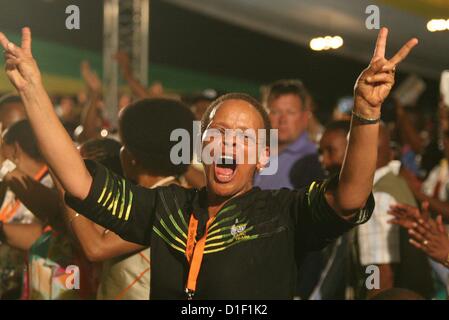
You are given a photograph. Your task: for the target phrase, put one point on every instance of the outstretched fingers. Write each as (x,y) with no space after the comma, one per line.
(416,235)
(416,244)
(26,40)
(4,41)
(404,51)
(381,43)
(10,48)
(406,210)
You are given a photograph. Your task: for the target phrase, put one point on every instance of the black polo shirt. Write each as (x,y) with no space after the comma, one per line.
(252,248)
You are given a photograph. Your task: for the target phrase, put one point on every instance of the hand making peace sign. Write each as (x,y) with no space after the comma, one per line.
(21,68)
(375,82)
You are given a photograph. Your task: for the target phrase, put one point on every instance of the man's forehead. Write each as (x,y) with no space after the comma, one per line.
(236,111)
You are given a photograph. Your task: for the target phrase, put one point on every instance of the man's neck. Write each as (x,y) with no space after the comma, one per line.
(216,203)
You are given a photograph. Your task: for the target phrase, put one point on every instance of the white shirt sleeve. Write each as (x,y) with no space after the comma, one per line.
(378,240)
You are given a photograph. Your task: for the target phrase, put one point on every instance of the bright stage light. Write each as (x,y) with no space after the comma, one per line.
(326,43)
(438,25)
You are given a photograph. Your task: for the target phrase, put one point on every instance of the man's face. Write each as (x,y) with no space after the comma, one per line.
(67,106)
(332,150)
(288,116)
(226,180)
(11,113)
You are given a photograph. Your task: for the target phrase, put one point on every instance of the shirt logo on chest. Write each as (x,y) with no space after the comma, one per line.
(238,231)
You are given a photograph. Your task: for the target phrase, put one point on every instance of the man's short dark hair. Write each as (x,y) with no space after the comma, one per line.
(22,134)
(10,98)
(238,96)
(284,87)
(340,125)
(145,129)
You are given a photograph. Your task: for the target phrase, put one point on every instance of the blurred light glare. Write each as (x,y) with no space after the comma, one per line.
(317,44)
(336,42)
(326,43)
(104,133)
(438,25)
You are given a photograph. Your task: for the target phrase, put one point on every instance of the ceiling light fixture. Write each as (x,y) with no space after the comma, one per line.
(326,43)
(438,25)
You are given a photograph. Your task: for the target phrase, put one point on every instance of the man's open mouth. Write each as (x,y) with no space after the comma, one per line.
(225,168)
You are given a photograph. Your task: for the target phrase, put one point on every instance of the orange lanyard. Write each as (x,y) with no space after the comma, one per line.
(41,173)
(194,254)
(11,208)
(9,211)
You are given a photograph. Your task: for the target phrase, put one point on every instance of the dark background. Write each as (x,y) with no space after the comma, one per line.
(184,39)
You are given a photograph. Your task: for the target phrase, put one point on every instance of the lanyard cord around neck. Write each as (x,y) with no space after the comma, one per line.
(194,254)
(10,209)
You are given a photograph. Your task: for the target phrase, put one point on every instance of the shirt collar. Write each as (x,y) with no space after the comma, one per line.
(299,144)
(200,203)
(392,166)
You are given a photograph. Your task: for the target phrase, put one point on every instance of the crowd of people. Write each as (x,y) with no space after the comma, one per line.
(365,194)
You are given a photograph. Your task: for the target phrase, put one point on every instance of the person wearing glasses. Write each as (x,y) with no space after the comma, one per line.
(229,240)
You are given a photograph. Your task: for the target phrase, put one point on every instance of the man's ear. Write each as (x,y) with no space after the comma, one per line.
(264,157)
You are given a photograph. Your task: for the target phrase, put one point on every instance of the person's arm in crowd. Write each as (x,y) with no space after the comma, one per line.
(97,243)
(371,89)
(425,233)
(91,113)
(108,200)
(20,236)
(54,142)
(407,131)
(136,87)
(39,199)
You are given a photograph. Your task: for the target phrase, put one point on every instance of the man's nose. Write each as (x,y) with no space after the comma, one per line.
(282,118)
